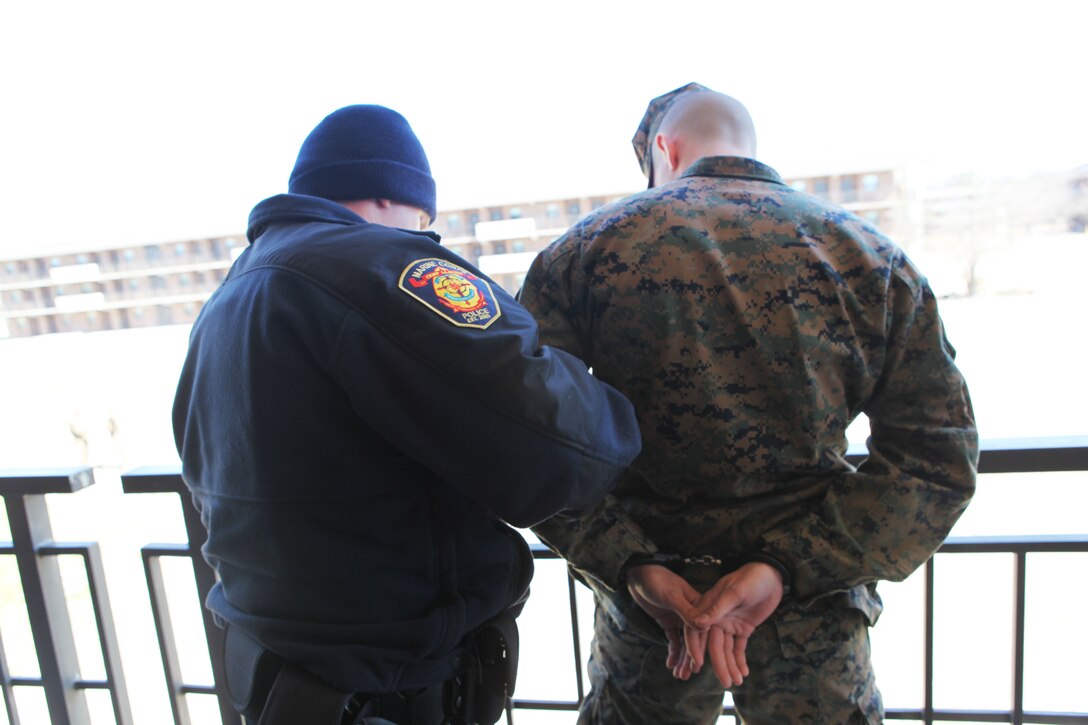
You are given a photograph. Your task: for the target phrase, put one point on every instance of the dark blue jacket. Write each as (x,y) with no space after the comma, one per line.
(355,444)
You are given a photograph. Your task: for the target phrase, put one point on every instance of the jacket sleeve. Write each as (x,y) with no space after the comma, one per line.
(598,541)
(524,430)
(887,518)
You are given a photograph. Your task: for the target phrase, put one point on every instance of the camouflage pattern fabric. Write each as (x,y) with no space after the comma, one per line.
(651,120)
(810,666)
(750,324)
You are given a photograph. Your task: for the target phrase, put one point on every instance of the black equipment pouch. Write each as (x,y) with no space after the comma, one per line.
(480,693)
(267,690)
(250,671)
(300,697)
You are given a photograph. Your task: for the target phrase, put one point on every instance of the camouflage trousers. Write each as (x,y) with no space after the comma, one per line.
(807,667)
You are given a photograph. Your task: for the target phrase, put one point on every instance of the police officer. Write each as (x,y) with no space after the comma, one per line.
(750,324)
(361,417)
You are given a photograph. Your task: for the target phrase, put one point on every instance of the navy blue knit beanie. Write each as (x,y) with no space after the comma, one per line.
(364,152)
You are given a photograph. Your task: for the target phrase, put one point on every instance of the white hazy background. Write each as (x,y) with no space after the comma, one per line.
(133,123)
(145,121)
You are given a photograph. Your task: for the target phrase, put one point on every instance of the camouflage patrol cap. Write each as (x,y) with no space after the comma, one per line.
(652,120)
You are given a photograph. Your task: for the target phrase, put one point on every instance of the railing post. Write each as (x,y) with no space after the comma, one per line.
(168,480)
(50,625)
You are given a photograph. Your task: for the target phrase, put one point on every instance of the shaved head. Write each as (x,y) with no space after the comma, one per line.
(711,117)
(703,123)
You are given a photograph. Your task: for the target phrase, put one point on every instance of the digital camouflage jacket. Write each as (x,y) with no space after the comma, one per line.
(750,323)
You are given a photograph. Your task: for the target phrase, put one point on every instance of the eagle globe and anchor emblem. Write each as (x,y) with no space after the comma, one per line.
(451,291)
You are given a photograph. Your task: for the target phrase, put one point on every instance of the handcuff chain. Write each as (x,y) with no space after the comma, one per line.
(705,559)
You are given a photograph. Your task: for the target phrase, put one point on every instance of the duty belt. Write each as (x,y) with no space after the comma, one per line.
(268,690)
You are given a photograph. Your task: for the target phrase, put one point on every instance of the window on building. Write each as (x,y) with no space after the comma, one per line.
(870,182)
(179,249)
(596,203)
(496,215)
(515,212)
(453,222)
(551,211)
(518,246)
(130,254)
(134,283)
(54,262)
(574,208)
(81,259)
(154,254)
(498,248)
(184,279)
(848,184)
(820,187)
(158,282)
(473,219)
(872,216)
(10,267)
(800,185)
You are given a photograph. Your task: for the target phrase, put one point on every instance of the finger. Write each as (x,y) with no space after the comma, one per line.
(695,643)
(676,647)
(727,650)
(684,668)
(715,641)
(740,646)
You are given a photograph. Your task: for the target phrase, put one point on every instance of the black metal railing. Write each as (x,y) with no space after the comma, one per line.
(168,480)
(36,554)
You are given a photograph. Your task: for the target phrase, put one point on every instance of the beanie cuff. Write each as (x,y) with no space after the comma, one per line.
(372,179)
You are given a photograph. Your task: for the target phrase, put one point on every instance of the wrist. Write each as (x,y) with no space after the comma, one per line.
(671,562)
(777,565)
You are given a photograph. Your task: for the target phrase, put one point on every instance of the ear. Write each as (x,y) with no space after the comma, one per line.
(668,149)
(383,203)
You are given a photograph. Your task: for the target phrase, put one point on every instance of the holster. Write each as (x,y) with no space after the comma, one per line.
(250,672)
(479,694)
(268,690)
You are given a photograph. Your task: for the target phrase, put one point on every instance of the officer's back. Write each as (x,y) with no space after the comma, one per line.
(361,410)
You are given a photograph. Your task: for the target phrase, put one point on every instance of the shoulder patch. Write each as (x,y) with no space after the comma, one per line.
(451,292)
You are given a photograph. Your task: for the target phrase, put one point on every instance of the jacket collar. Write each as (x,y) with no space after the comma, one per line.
(733,166)
(300,209)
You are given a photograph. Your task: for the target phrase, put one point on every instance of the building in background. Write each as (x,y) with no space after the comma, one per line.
(105,289)
(166,283)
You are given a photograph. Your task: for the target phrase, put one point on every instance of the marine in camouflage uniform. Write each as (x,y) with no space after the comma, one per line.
(750,324)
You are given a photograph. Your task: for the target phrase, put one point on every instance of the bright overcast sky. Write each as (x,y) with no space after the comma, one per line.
(138,122)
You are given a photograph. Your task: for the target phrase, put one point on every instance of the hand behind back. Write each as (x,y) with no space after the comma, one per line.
(718,622)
